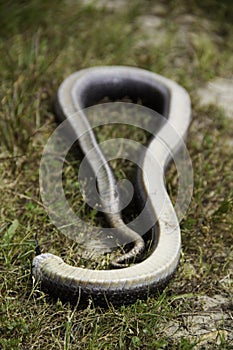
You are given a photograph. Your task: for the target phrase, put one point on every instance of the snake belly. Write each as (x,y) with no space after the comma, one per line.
(122,285)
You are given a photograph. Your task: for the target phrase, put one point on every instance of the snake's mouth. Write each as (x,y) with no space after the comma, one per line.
(38,262)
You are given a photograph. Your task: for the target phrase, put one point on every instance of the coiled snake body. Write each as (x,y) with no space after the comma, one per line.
(122,285)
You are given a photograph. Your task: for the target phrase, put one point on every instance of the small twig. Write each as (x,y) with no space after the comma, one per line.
(21,195)
(2,159)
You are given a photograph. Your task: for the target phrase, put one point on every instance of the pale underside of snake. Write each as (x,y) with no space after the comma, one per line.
(123,284)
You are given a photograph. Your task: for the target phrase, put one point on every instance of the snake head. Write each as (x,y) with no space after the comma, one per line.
(38,262)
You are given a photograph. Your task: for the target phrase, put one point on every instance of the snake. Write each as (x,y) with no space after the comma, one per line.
(124,283)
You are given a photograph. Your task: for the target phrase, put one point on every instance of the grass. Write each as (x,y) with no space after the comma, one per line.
(41,43)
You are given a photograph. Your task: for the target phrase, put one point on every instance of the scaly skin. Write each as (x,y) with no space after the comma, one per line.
(122,285)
